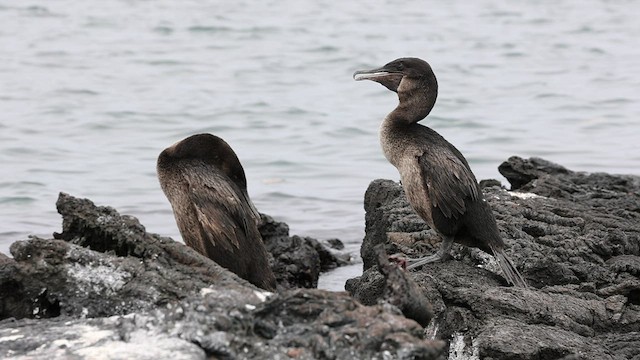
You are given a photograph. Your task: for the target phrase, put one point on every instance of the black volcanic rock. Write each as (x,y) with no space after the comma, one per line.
(102,264)
(235,324)
(402,291)
(520,171)
(297,261)
(575,238)
(105,288)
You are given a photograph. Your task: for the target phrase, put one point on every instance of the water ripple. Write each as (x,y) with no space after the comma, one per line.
(94,93)
(17,200)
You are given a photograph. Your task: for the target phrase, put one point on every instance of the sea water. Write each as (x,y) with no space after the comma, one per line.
(91,92)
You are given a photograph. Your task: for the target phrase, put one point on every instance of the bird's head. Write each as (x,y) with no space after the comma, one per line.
(208,149)
(400,75)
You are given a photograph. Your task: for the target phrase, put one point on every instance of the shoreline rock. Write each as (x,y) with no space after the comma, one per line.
(574,236)
(298,261)
(105,288)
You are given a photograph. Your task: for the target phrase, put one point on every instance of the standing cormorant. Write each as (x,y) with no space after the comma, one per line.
(435,176)
(206,186)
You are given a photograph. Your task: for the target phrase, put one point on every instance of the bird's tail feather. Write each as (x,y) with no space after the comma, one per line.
(508,269)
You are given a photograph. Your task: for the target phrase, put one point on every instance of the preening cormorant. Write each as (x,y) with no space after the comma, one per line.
(436,178)
(206,186)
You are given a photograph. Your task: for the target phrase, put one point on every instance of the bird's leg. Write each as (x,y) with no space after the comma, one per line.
(399,260)
(447,241)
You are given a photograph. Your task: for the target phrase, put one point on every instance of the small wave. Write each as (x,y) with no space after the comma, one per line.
(442,122)
(59,171)
(16,200)
(164,30)
(615,101)
(20,184)
(161,62)
(282,163)
(539,21)
(577,108)
(323,49)
(20,150)
(212,29)
(513,54)
(502,13)
(40,11)
(298,111)
(209,29)
(349,131)
(68,91)
(585,29)
(550,95)
(52,53)
(495,139)
(595,50)
(279,195)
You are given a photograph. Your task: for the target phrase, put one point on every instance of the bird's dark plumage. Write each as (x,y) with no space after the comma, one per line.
(436,177)
(206,186)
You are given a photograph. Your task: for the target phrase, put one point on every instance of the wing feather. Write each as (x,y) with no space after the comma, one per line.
(222,208)
(449,181)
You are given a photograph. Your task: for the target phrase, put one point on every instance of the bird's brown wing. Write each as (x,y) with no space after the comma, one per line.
(449,182)
(221,207)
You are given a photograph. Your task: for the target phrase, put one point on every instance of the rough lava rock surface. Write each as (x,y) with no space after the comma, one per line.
(101,254)
(575,238)
(298,261)
(105,288)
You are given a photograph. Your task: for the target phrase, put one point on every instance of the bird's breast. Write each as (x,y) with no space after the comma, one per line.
(415,189)
(391,143)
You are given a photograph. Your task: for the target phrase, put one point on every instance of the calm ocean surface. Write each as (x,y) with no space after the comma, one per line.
(92,91)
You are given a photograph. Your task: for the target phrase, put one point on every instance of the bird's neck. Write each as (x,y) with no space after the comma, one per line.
(414,106)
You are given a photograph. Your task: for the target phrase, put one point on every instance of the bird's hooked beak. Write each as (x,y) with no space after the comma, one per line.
(388,78)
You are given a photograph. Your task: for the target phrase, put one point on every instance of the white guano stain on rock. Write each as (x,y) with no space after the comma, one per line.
(90,342)
(143,345)
(263,295)
(205,291)
(11,338)
(86,336)
(104,219)
(522,195)
(459,349)
(97,278)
